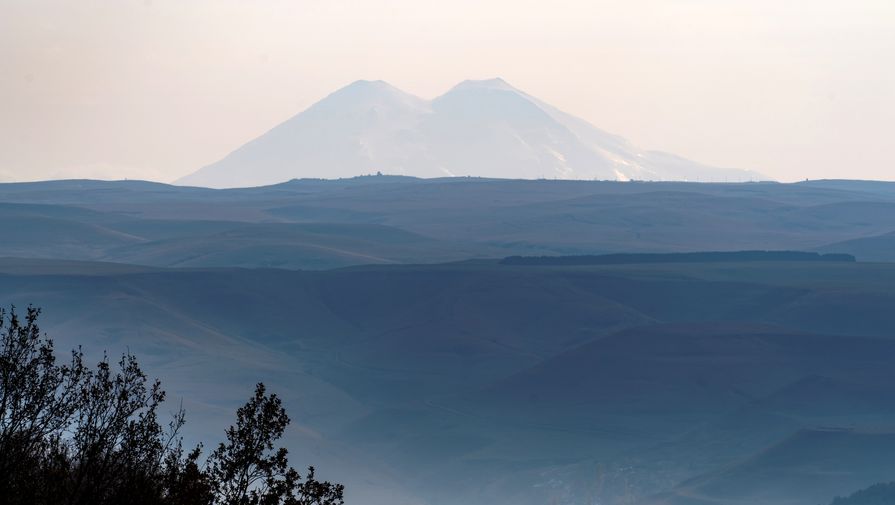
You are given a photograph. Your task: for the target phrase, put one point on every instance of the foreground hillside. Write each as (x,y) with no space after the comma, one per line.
(316,224)
(482,383)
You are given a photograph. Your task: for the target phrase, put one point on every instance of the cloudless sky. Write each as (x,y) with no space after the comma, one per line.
(158,88)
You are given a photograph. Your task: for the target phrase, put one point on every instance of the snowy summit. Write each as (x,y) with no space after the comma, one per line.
(483,128)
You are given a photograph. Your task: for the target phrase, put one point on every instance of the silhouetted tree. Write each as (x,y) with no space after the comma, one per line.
(118,449)
(37,401)
(75,435)
(185,481)
(249,470)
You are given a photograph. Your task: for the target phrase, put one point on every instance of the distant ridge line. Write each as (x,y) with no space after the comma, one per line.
(687,257)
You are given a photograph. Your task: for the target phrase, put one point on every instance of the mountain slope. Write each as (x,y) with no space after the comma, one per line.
(478,128)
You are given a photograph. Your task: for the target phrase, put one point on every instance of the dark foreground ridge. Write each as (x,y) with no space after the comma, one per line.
(692,257)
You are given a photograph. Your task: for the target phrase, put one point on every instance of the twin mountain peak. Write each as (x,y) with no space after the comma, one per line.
(482,128)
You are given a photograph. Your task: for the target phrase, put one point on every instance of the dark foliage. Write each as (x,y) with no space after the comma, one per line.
(694,257)
(75,435)
(249,469)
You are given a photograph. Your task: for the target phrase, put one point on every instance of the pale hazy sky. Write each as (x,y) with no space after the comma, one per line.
(158,88)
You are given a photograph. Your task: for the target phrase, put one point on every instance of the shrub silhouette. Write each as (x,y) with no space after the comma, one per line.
(75,435)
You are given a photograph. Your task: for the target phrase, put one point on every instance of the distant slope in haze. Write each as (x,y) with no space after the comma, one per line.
(808,467)
(286,245)
(875,248)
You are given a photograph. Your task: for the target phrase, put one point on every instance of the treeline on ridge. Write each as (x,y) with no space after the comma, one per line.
(78,435)
(877,494)
(688,257)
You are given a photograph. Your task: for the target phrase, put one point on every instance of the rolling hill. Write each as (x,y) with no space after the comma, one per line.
(423,370)
(524,383)
(315,224)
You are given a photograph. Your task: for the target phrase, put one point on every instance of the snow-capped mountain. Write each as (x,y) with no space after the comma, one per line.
(479,128)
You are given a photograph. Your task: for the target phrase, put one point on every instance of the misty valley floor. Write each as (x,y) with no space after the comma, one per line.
(686,383)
